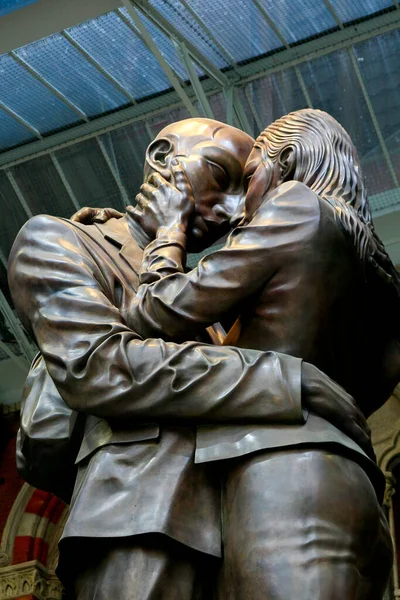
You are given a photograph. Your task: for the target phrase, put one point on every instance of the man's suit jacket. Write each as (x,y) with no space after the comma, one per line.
(295,276)
(74,288)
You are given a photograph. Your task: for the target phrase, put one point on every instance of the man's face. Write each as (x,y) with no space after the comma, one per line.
(213,156)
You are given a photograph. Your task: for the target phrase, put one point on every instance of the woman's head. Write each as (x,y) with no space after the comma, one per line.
(312,147)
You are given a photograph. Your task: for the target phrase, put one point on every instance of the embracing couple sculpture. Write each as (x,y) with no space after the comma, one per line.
(226,467)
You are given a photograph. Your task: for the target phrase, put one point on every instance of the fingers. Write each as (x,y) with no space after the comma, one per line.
(88,215)
(113,214)
(105,214)
(142,202)
(135,213)
(180,178)
(84,215)
(156,180)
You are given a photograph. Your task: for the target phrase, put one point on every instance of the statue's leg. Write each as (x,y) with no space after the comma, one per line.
(147,567)
(302,525)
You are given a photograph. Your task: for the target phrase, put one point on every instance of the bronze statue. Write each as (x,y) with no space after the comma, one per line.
(306,275)
(145,518)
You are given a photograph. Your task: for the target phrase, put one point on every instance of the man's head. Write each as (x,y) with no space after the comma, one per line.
(213,156)
(308,146)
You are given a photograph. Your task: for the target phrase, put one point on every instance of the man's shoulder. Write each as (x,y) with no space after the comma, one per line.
(45,228)
(40,227)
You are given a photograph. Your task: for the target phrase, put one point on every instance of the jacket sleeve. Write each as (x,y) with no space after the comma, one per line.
(103,367)
(180,305)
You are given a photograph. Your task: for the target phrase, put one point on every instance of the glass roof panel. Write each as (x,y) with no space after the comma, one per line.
(26,96)
(239,27)
(276,95)
(57,61)
(13,215)
(183,21)
(378,60)
(89,176)
(349,10)
(7,6)
(164,44)
(118,50)
(345,101)
(299,19)
(42,187)
(11,132)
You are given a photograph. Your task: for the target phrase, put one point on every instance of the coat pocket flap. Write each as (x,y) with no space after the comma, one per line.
(102,434)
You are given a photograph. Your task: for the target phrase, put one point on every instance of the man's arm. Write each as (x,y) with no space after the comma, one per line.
(180,305)
(103,367)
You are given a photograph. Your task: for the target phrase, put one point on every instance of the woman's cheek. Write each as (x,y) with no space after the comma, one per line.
(258,187)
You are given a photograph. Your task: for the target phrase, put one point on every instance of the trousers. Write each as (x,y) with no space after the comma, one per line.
(301,524)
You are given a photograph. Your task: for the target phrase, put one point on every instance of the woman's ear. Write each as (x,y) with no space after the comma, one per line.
(158,154)
(286,162)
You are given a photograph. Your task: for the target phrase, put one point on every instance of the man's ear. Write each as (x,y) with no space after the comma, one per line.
(158,155)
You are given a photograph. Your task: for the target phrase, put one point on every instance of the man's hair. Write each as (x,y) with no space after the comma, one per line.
(312,147)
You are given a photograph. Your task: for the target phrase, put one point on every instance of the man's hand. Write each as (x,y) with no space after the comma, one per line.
(161,204)
(325,398)
(88,215)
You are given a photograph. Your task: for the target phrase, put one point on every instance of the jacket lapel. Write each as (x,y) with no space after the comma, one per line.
(117,232)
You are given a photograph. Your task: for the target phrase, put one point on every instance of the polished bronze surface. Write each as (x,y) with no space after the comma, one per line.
(161,417)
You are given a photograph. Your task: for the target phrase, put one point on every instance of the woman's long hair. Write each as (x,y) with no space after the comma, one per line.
(312,147)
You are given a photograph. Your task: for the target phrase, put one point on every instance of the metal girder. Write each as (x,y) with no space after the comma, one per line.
(257,118)
(373,117)
(98,66)
(16,328)
(228,93)
(19,193)
(258,68)
(228,57)
(334,14)
(320,46)
(162,23)
(21,364)
(194,80)
(65,181)
(241,114)
(48,85)
(21,120)
(286,44)
(149,131)
(114,173)
(271,23)
(303,87)
(172,77)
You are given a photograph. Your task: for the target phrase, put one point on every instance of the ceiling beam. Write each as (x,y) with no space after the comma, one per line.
(66,35)
(164,25)
(374,120)
(152,46)
(195,81)
(114,172)
(20,120)
(290,57)
(19,194)
(56,92)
